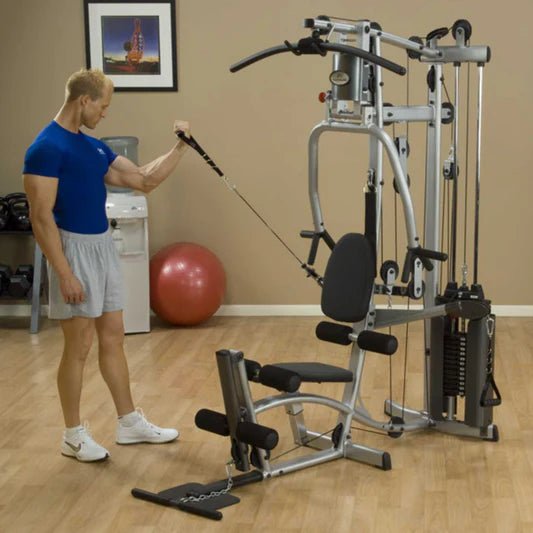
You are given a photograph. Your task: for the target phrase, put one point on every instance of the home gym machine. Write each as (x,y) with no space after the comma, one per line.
(459,328)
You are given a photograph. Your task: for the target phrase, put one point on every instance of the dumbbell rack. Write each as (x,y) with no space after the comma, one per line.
(38,278)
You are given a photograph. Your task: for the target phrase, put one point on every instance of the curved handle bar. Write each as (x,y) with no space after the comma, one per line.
(258,56)
(291,47)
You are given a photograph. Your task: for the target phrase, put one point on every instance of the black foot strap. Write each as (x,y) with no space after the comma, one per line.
(203,500)
(179,497)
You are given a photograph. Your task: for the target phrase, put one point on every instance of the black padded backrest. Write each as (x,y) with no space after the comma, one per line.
(349,279)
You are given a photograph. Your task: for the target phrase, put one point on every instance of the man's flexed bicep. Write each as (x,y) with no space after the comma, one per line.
(124,173)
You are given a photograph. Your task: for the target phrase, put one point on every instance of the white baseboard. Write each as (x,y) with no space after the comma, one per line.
(315,310)
(269,310)
(24,310)
(513,310)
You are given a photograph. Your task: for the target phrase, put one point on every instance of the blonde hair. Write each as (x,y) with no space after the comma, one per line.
(91,82)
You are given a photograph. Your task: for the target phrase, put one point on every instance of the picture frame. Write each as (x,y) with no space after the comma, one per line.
(133,42)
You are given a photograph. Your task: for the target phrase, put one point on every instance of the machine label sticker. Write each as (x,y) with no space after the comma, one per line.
(337,77)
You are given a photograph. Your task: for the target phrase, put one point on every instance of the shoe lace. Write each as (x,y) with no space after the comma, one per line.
(144,421)
(85,434)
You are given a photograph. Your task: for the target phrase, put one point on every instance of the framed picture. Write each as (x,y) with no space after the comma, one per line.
(133,42)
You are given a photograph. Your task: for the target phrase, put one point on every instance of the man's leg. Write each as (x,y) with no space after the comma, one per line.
(133,426)
(112,360)
(77,441)
(78,333)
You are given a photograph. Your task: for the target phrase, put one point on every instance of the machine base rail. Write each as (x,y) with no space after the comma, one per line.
(452,427)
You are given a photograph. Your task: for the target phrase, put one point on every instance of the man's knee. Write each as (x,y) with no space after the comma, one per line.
(111,338)
(110,329)
(111,341)
(79,335)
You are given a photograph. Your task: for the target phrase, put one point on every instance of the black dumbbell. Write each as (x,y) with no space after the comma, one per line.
(5,275)
(20,282)
(4,214)
(19,211)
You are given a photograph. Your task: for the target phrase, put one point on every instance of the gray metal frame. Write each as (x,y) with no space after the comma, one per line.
(369,120)
(351,109)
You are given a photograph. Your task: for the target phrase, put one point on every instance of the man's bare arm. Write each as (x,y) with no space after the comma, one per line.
(124,173)
(42,192)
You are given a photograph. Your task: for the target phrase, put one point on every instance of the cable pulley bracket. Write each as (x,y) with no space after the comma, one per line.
(425,257)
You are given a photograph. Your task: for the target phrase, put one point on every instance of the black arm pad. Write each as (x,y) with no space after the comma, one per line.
(257,435)
(212,421)
(431,254)
(279,378)
(337,333)
(377,342)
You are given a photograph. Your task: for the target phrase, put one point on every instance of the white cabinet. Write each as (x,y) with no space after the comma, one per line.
(128,216)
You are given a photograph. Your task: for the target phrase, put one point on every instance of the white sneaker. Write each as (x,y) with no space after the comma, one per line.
(144,431)
(83,447)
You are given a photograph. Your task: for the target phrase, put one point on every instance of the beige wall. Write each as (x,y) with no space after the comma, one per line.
(255,124)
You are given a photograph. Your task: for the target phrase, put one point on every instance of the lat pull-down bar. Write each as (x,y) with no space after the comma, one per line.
(315,45)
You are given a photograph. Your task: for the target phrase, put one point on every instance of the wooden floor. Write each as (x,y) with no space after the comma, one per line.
(438,483)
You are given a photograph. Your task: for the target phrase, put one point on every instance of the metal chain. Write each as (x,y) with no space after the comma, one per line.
(215,493)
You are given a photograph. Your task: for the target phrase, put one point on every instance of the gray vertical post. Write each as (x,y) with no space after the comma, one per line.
(376,148)
(478,171)
(455,189)
(432,214)
(36,289)
(226,361)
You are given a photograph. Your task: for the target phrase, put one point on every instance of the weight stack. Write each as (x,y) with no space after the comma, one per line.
(459,365)
(440,326)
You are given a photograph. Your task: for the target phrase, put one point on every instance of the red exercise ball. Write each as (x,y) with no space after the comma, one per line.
(187,283)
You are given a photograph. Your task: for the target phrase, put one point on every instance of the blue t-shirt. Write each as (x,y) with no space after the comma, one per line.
(80,163)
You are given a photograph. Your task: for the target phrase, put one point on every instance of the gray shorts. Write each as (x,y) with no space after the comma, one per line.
(94,260)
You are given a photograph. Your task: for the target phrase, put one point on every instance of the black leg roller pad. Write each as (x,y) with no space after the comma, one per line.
(212,421)
(248,432)
(257,435)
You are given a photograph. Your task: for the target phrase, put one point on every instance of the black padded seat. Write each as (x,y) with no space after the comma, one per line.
(318,372)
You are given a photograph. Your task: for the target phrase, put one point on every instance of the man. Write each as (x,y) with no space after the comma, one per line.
(65,172)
